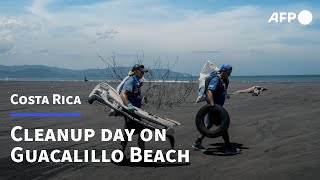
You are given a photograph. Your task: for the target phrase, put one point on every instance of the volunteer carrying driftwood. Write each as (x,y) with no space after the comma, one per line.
(130,94)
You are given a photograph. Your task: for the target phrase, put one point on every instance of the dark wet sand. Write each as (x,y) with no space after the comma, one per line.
(278,132)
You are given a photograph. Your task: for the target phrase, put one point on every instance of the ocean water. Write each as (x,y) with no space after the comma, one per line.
(242,79)
(277,79)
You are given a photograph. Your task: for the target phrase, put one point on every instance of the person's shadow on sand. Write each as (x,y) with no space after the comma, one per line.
(218,149)
(127,162)
(150,164)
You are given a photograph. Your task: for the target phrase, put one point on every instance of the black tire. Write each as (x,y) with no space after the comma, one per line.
(220,113)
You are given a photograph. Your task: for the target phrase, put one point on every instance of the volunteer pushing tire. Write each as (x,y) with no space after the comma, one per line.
(212,121)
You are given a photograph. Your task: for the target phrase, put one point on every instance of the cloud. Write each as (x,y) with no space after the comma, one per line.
(44,51)
(106,34)
(240,34)
(39,8)
(161,28)
(206,52)
(5,46)
(8,27)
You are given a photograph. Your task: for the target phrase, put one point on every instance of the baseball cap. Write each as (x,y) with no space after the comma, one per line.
(139,67)
(225,67)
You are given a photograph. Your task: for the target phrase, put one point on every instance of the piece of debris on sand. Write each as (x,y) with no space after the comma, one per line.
(255,90)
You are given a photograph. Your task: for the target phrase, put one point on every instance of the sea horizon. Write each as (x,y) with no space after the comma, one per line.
(242,79)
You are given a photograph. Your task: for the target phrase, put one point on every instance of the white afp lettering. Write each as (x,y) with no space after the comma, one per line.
(304,17)
(282,16)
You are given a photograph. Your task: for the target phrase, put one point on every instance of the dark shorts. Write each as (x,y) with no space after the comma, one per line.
(131,124)
(213,119)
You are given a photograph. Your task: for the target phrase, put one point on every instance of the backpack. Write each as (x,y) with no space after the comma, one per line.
(207,82)
(208,72)
(222,85)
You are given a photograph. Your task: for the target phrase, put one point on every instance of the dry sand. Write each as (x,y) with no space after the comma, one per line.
(278,132)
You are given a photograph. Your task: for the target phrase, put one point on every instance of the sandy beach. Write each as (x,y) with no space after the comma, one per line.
(278,132)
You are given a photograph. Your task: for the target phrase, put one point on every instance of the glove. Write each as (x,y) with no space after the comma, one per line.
(130,108)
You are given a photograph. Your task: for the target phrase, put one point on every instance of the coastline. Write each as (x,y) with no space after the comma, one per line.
(236,79)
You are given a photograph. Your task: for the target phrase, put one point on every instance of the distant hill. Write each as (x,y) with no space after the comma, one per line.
(45,72)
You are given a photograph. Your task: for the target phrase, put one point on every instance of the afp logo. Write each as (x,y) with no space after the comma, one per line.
(304,17)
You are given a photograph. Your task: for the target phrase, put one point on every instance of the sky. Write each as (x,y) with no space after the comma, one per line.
(72,33)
